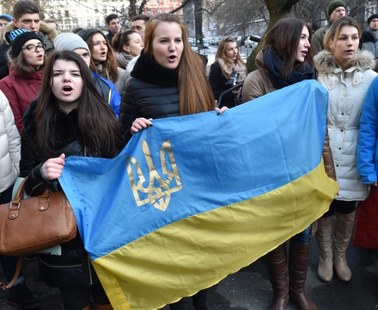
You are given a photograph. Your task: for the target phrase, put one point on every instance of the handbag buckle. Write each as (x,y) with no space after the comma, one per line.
(14,210)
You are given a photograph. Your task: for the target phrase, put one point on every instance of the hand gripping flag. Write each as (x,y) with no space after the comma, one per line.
(195,198)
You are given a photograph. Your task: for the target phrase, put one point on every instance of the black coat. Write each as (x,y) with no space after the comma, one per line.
(218,84)
(151,92)
(4,60)
(72,267)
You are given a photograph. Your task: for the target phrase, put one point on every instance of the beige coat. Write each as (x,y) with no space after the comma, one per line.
(347,91)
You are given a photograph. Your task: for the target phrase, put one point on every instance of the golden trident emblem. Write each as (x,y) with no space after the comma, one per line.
(158,189)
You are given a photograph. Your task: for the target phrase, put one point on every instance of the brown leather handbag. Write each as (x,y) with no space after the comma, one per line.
(35,223)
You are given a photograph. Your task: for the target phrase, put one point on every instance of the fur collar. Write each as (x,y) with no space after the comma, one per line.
(44,28)
(325,62)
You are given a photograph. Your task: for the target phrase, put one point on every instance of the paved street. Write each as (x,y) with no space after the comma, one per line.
(249,289)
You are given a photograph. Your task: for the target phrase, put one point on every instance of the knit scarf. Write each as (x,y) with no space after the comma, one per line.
(238,67)
(102,71)
(123,59)
(274,64)
(147,69)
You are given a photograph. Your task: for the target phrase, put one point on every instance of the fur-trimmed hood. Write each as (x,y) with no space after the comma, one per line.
(44,29)
(325,62)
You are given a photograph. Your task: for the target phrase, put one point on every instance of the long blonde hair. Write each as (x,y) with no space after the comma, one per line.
(195,94)
(221,52)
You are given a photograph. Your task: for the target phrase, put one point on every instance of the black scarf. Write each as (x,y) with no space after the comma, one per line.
(274,64)
(147,69)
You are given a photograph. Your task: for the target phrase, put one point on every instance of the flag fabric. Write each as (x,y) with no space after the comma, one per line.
(195,198)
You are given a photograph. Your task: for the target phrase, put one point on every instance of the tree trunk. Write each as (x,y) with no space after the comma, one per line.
(198,22)
(277,9)
(132,9)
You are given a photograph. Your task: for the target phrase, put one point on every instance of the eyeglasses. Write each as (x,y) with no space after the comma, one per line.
(34,48)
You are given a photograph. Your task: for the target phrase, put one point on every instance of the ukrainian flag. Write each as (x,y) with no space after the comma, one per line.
(195,198)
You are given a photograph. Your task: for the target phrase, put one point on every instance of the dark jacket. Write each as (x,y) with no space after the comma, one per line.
(151,92)
(218,84)
(4,60)
(369,42)
(72,267)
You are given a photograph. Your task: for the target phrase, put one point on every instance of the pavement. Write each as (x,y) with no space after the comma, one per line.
(249,289)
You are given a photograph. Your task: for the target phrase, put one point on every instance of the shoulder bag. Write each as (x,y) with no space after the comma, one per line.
(35,223)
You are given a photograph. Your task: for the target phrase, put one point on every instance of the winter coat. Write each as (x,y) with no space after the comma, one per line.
(257,83)
(121,81)
(108,92)
(347,90)
(151,92)
(9,146)
(367,148)
(71,269)
(317,39)
(47,34)
(21,90)
(218,82)
(369,42)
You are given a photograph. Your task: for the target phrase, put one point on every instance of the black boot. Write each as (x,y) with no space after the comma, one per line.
(278,274)
(199,300)
(298,262)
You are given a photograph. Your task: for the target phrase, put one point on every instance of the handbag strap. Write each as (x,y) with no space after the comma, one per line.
(17,272)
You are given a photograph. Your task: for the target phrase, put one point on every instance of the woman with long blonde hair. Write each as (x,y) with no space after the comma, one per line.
(168,79)
(227,70)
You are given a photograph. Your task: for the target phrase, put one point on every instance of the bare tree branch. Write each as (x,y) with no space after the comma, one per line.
(183,4)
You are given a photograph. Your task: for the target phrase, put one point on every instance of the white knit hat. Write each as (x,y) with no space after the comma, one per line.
(69,41)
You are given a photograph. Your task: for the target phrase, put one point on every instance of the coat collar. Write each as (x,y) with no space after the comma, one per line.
(44,29)
(325,62)
(333,75)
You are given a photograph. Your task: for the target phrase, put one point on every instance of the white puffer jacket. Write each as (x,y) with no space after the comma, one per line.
(10,146)
(347,90)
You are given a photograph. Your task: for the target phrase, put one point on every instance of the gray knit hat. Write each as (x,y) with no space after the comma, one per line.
(68,41)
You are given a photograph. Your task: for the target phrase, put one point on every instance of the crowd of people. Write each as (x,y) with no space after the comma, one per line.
(86,93)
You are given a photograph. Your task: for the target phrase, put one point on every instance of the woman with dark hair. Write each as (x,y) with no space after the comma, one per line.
(286,59)
(227,71)
(127,45)
(22,85)
(168,80)
(103,59)
(68,118)
(10,152)
(346,72)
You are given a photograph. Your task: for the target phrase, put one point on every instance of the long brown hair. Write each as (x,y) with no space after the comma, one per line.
(284,38)
(110,64)
(99,129)
(195,94)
